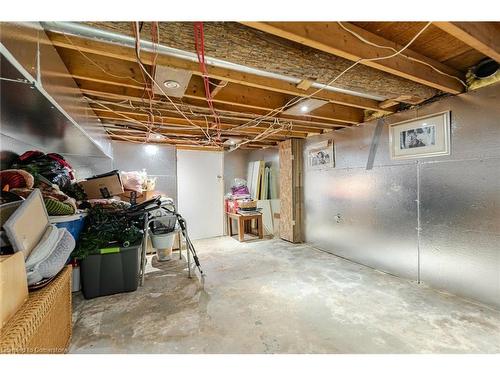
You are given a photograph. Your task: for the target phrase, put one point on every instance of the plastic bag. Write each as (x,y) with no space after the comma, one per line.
(133,180)
(239,182)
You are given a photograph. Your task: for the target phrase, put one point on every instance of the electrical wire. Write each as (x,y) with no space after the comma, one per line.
(96,64)
(297,100)
(259,119)
(406,56)
(177,110)
(160,88)
(199,40)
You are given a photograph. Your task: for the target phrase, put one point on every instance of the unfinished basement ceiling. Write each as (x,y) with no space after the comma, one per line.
(240,44)
(434,42)
(280,61)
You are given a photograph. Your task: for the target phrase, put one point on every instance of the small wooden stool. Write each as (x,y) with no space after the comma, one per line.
(244,225)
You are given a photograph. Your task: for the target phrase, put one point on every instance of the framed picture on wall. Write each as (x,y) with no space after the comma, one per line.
(321,155)
(421,137)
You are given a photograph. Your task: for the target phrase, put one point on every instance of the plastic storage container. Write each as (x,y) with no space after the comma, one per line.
(115,270)
(73,223)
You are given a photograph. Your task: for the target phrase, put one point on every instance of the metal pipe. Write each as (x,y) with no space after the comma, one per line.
(84,31)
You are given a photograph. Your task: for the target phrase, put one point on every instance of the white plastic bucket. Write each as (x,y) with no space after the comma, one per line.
(163,243)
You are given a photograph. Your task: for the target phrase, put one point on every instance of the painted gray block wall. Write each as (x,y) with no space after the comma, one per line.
(159,161)
(372,214)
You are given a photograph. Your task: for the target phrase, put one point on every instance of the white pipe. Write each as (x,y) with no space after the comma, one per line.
(89,32)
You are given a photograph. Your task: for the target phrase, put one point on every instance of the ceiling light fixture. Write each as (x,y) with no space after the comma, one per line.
(171,84)
(231,141)
(305,106)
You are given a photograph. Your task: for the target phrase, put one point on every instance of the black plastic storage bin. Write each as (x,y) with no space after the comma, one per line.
(115,270)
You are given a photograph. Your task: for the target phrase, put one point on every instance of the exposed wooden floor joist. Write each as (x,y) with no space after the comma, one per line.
(274,64)
(330,37)
(482,36)
(246,79)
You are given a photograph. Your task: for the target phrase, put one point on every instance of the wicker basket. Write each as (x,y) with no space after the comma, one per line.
(43,324)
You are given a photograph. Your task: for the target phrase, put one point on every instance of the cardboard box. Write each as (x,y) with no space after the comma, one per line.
(104,186)
(146,195)
(13,285)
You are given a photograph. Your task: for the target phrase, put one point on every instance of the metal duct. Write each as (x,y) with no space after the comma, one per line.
(41,103)
(88,32)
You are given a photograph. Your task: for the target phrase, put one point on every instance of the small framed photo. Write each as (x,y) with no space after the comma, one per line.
(321,155)
(422,137)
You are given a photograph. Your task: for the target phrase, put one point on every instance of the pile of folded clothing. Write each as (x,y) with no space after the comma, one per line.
(22,184)
(49,173)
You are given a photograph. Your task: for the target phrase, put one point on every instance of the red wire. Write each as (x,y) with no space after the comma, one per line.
(199,40)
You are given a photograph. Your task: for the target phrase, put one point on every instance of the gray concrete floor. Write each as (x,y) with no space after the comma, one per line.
(270,296)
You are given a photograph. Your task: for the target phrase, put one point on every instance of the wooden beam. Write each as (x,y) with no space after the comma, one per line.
(170,127)
(126,78)
(172,117)
(305,84)
(256,105)
(245,117)
(330,37)
(219,86)
(200,148)
(482,36)
(408,99)
(178,145)
(127,129)
(388,103)
(98,48)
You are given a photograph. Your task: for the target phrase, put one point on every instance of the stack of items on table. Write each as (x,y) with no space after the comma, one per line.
(239,199)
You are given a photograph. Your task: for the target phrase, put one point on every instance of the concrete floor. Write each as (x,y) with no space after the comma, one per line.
(270,296)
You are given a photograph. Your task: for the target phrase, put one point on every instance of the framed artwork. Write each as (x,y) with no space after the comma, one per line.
(321,155)
(422,137)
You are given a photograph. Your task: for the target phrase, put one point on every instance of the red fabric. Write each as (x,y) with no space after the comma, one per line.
(30,155)
(15,179)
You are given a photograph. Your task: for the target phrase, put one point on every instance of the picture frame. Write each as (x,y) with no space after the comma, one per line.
(422,137)
(321,155)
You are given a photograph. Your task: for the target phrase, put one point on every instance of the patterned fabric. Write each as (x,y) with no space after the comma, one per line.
(56,208)
(15,178)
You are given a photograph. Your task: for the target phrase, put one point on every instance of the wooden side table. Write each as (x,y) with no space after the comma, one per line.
(244,224)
